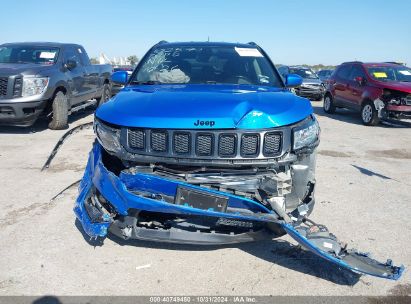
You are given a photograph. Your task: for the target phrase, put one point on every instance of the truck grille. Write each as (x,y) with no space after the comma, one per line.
(408,100)
(204,144)
(3,85)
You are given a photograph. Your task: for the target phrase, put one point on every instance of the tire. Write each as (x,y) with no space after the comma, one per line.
(369,114)
(59,112)
(328,104)
(106,94)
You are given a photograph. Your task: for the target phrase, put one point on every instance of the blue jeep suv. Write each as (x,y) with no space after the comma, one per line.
(207,145)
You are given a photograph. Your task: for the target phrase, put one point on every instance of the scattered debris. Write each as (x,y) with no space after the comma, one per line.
(143,266)
(61,141)
(62,191)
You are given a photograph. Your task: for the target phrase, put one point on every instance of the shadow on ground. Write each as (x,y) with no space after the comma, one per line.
(42,124)
(343,115)
(353,117)
(277,251)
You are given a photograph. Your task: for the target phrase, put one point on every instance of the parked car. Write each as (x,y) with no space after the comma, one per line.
(115,88)
(206,145)
(50,79)
(311,87)
(376,90)
(324,75)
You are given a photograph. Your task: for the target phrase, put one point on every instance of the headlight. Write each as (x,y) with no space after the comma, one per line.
(108,137)
(306,134)
(34,85)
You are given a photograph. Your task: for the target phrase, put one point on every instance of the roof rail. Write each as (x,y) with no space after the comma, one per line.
(252,43)
(355,61)
(394,62)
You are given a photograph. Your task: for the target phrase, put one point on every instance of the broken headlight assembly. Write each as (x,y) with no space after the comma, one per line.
(34,85)
(108,136)
(306,134)
(396,98)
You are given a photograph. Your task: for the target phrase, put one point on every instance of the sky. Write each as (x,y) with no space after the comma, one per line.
(290,31)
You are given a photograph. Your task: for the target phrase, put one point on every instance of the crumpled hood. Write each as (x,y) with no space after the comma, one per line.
(311,81)
(11,69)
(396,85)
(204,106)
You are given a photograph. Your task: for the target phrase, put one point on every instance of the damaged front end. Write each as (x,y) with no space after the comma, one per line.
(204,206)
(393,104)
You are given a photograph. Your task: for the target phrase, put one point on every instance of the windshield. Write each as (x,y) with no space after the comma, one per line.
(390,73)
(28,54)
(325,73)
(304,73)
(206,64)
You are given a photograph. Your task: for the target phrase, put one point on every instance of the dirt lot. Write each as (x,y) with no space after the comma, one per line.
(363,196)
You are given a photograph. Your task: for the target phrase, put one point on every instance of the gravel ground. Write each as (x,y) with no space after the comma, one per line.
(363,196)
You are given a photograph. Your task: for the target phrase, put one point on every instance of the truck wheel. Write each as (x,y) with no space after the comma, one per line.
(329,106)
(105,95)
(60,112)
(369,114)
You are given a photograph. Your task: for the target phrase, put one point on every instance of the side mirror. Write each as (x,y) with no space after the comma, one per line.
(119,77)
(70,64)
(360,80)
(293,80)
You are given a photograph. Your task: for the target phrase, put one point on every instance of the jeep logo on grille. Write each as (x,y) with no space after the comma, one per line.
(204,123)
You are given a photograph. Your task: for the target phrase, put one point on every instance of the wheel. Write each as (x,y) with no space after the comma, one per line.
(369,114)
(329,106)
(105,95)
(59,112)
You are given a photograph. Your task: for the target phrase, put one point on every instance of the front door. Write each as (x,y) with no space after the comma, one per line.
(341,86)
(76,79)
(355,87)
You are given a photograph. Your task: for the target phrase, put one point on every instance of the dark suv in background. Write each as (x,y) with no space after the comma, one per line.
(311,88)
(324,75)
(377,90)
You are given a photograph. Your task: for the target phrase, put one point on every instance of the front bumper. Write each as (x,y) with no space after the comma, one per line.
(21,114)
(310,92)
(399,111)
(118,191)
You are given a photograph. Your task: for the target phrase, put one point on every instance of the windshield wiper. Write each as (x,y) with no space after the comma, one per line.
(148,82)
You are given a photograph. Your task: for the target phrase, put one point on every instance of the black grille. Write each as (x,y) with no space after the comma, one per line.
(408,100)
(136,139)
(226,145)
(201,144)
(181,143)
(159,141)
(272,144)
(3,85)
(249,145)
(204,144)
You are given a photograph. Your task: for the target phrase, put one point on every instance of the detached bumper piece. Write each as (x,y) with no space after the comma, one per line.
(149,207)
(317,239)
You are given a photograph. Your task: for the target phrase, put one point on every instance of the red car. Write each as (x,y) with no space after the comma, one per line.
(377,90)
